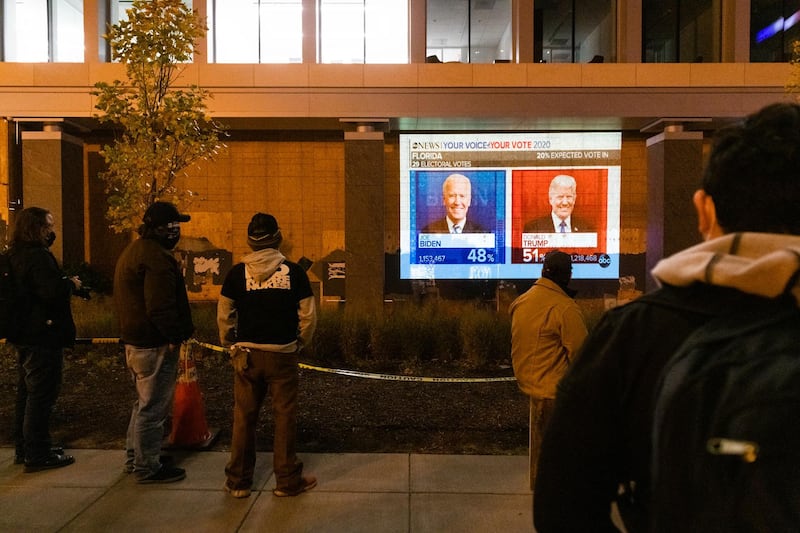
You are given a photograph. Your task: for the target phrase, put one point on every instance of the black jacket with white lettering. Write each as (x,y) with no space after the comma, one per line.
(266,301)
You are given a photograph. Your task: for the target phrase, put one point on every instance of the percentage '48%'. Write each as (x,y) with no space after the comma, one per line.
(480,255)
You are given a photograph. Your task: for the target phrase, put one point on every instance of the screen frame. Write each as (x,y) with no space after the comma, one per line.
(510,175)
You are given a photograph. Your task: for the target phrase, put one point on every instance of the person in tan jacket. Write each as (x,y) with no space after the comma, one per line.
(547,329)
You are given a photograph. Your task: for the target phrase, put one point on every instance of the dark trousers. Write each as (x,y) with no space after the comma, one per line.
(38,386)
(541,412)
(276,374)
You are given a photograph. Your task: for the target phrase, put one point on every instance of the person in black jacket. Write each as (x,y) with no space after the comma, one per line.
(44,328)
(155,319)
(598,447)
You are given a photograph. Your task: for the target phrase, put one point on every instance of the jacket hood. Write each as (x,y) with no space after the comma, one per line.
(762,264)
(261,264)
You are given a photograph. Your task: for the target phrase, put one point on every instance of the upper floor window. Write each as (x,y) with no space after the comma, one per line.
(255,31)
(363,31)
(40,31)
(115,12)
(774,27)
(469,31)
(681,31)
(118,9)
(574,31)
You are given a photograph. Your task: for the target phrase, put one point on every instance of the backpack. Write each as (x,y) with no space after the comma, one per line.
(726,434)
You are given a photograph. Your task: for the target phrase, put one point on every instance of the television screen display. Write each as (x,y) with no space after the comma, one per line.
(490,206)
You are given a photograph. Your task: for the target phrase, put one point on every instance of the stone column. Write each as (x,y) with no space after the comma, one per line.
(52,178)
(364,219)
(10,170)
(674,172)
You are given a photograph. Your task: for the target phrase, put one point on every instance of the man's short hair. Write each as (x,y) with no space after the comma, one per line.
(753,172)
(562,180)
(456,177)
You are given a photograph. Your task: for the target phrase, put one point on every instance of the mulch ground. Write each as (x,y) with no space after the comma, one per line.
(337,414)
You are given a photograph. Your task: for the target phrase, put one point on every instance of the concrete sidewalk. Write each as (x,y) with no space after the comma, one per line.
(356,493)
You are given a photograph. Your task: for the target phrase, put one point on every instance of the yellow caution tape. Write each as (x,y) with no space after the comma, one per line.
(339,371)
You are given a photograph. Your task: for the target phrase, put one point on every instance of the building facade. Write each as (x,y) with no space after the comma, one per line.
(316,143)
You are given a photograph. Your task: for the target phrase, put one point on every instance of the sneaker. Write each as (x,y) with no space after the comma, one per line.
(236,493)
(165,474)
(306,483)
(19,458)
(168,460)
(55,460)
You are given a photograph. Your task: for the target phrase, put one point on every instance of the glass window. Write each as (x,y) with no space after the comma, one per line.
(386,31)
(255,31)
(281,31)
(469,31)
(118,11)
(681,31)
(36,33)
(574,31)
(363,31)
(234,34)
(447,38)
(774,26)
(341,31)
(68,31)
(119,8)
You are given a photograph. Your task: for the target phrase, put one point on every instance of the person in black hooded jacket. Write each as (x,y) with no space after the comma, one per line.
(598,448)
(44,327)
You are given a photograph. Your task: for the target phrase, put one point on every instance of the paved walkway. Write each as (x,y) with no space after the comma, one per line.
(372,493)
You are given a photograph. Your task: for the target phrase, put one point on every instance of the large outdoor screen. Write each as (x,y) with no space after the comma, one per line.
(490,206)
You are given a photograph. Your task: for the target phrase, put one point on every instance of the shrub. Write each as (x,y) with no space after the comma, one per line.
(356,337)
(204,317)
(91,279)
(327,343)
(486,338)
(406,334)
(95,317)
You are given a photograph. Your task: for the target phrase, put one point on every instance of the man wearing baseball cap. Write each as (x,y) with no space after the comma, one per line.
(266,315)
(547,328)
(155,319)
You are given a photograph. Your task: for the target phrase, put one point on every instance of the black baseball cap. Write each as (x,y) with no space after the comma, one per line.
(162,213)
(263,232)
(557,265)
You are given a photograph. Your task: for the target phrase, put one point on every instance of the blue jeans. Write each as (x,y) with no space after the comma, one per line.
(38,385)
(154,372)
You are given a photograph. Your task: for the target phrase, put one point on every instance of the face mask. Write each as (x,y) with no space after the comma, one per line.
(169,236)
(50,239)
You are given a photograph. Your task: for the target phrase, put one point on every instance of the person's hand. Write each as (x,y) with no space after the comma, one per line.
(76,281)
(239,358)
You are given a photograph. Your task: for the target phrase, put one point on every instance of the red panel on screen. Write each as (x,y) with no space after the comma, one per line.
(530,201)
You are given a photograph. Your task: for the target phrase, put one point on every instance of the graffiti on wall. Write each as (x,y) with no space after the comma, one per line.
(204,265)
